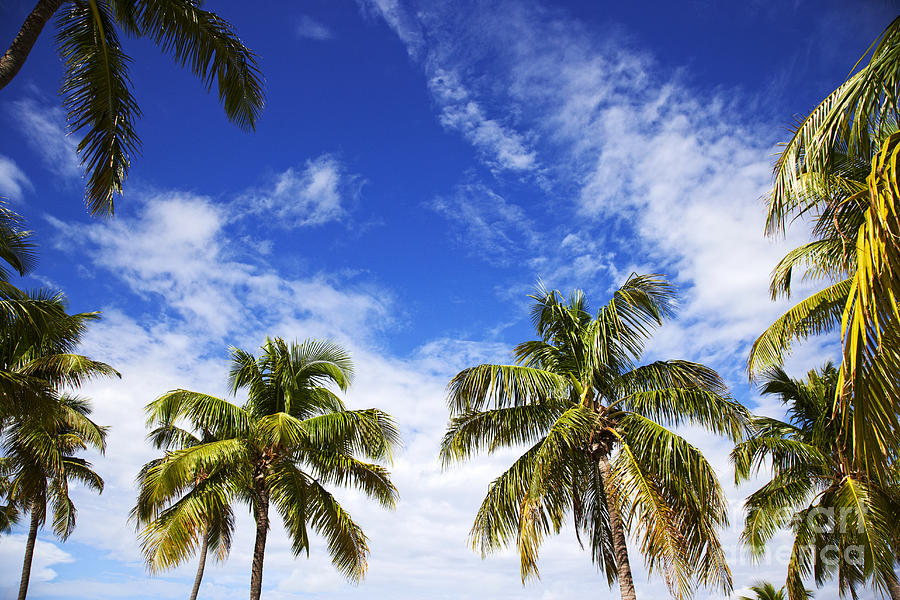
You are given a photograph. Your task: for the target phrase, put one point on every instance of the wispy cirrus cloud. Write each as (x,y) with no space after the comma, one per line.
(310,28)
(43,126)
(313,195)
(501,146)
(13,181)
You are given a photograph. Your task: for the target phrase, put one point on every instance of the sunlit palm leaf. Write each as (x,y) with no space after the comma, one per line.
(819,313)
(97,92)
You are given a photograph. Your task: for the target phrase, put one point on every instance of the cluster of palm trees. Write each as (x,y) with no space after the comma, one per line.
(598,429)
(42,425)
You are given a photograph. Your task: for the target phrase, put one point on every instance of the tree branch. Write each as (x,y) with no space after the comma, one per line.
(24,41)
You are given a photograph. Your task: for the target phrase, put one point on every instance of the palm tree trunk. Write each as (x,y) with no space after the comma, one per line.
(29,553)
(204,546)
(259,550)
(620,544)
(21,46)
(893,589)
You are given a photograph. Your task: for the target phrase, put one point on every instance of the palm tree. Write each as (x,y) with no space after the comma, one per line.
(764,590)
(844,522)
(40,452)
(291,438)
(172,531)
(593,423)
(96,86)
(855,121)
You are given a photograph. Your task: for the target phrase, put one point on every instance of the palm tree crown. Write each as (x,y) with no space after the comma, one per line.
(291,438)
(856,123)
(592,420)
(844,523)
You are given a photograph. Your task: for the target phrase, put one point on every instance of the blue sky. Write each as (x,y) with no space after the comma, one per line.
(418,167)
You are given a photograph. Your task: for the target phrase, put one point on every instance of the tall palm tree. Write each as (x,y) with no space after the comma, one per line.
(96,86)
(594,424)
(855,120)
(40,451)
(171,531)
(291,438)
(844,523)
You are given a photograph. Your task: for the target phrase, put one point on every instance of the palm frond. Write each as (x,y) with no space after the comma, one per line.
(16,247)
(97,95)
(370,432)
(499,386)
(546,499)
(201,410)
(693,405)
(339,469)
(817,314)
(207,44)
(662,542)
(301,501)
(489,430)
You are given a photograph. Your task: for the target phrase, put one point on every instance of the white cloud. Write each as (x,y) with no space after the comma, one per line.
(46,556)
(312,196)
(313,29)
(177,250)
(13,181)
(503,147)
(44,129)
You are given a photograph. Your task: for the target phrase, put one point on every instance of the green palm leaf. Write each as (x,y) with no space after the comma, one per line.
(817,314)
(97,93)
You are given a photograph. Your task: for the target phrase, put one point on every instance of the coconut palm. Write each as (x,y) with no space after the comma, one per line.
(764,590)
(96,85)
(40,455)
(844,522)
(855,120)
(290,439)
(594,425)
(171,531)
